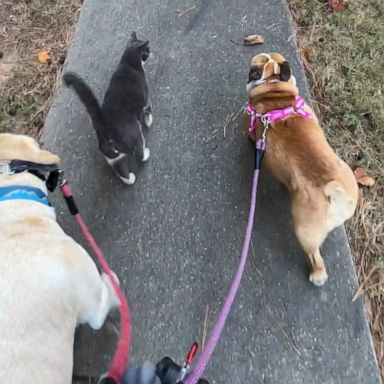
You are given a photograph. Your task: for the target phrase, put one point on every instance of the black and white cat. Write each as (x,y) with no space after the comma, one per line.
(126,109)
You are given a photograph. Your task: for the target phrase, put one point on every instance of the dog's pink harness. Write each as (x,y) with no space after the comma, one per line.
(266,118)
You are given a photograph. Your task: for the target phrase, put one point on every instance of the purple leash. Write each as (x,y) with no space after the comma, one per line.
(214,337)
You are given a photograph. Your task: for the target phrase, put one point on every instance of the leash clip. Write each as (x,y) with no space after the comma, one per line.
(60,179)
(188,362)
(266,120)
(54,179)
(106,379)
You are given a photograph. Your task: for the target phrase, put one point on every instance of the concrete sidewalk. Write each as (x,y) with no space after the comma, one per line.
(175,237)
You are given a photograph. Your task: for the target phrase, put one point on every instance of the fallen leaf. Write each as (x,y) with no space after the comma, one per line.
(44,57)
(253,40)
(337,5)
(362,177)
(308,54)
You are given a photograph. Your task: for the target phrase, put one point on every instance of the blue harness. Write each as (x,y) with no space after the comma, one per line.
(20,192)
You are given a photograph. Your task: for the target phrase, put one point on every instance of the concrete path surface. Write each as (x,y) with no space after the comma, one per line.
(175,237)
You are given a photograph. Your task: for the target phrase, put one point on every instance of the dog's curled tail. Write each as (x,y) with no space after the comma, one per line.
(342,205)
(89,100)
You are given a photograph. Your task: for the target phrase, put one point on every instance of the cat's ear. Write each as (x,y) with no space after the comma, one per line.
(133,37)
(143,44)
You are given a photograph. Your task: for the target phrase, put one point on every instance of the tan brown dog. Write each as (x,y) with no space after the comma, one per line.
(49,284)
(322,186)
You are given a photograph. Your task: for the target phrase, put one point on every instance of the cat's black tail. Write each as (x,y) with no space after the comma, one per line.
(90,102)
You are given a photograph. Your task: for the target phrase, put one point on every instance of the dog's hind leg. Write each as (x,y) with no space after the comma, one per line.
(93,294)
(311,246)
(107,301)
(311,232)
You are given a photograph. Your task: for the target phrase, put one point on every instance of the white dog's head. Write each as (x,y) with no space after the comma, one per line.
(26,149)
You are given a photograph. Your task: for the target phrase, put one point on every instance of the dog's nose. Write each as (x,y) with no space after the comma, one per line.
(271,68)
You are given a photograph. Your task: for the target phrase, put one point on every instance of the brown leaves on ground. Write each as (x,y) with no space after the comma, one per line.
(253,40)
(44,57)
(34,36)
(308,54)
(362,177)
(337,5)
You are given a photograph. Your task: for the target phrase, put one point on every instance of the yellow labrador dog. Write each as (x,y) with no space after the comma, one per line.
(48,284)
(322,186)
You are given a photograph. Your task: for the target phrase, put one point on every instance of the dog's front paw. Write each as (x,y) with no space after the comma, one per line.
(318,277)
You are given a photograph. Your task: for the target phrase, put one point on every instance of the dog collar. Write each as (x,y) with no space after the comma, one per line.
(269,117)
(21,192)
(53,172)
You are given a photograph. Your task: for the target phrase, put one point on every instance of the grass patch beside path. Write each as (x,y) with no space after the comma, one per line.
(27,86)
(343,54)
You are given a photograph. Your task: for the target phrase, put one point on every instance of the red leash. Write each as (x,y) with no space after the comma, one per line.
(120,359)
(119,362)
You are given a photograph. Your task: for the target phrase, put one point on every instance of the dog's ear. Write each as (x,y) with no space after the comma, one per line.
(21,147)
(45,157)
(255,74)
(285,71)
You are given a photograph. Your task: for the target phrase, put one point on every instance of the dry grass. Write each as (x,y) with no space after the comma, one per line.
(27,86)
(343,54)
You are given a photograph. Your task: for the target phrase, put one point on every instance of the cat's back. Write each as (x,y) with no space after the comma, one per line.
(127,92)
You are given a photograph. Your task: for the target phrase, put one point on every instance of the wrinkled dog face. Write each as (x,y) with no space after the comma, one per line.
(143,46)
(21,147)
(269,69)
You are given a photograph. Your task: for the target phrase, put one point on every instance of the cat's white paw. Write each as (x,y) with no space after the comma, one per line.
(146,154)
(130,180)
(148,119)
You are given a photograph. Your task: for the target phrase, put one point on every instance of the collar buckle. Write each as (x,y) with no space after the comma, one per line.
(6,169)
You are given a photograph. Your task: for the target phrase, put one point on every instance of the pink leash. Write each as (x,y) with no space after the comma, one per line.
(120,359)
(266,119)
(214,337)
